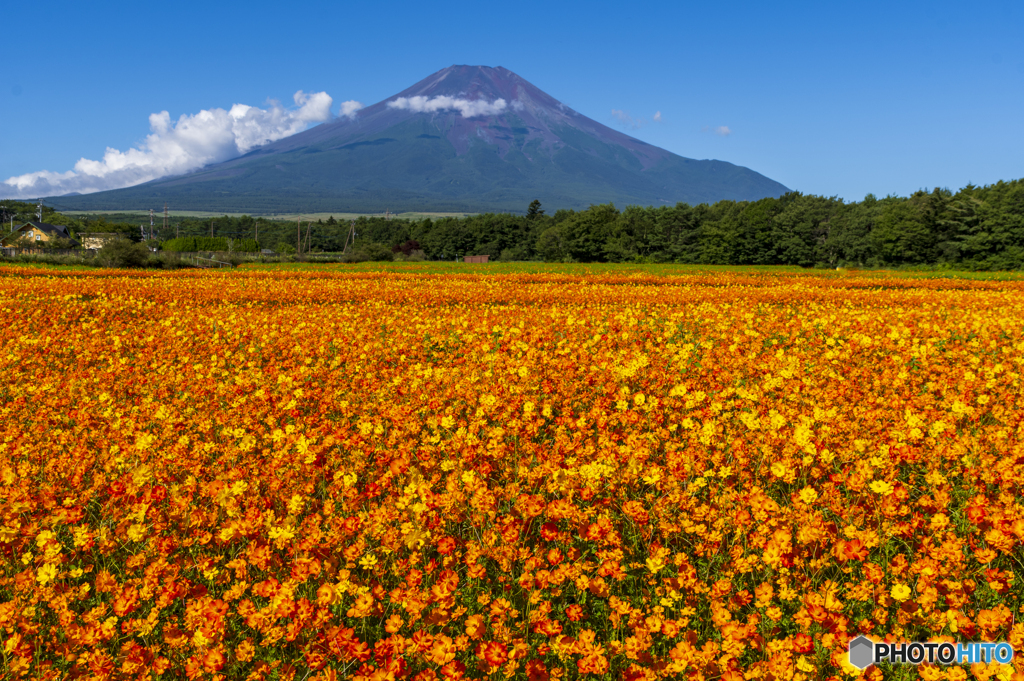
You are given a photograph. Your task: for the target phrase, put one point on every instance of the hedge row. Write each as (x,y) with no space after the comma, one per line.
(194,244)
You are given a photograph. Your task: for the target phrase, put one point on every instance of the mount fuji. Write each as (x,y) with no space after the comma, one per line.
(465,139)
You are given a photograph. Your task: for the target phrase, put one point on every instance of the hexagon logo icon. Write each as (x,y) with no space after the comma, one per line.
(862,652)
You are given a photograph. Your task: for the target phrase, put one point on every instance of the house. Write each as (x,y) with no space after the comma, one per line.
(476,258)
(96,240)
(38,232)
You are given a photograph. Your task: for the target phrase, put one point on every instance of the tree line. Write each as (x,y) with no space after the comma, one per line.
(977,227)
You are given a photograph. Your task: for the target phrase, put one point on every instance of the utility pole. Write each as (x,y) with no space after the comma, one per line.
(39,211)
(308,225)
(150,224)
(350,235)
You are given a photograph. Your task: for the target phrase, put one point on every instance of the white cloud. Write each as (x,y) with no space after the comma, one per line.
(350,108)
(468,108)
(721,130)
(210,136)
(627,121)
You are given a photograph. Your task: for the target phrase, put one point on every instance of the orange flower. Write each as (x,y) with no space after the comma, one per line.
(493,653)
(325,595)
(214,660)
(536,671)
(574,612)
(548,627)
(245,650)
(442,651)
(453,670)
(421,641)
(474,626)
(408,443)
(393,624)
(851,550)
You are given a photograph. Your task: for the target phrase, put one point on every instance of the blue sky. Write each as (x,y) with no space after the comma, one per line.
(837,99)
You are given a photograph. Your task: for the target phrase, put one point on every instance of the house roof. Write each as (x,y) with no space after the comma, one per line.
(59,231)
(55,230)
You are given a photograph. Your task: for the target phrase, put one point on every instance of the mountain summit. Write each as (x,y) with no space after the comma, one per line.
(465,139)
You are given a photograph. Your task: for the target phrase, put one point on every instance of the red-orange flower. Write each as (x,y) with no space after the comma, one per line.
(493,653)
(214,660)
(574,612)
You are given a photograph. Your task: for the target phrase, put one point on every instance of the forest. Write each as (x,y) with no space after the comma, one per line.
(977,227)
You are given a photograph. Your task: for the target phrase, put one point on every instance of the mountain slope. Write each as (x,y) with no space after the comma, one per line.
(467,138)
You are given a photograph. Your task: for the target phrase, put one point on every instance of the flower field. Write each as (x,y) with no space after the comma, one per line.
(333,473)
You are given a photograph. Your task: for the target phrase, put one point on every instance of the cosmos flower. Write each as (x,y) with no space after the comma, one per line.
(357,472)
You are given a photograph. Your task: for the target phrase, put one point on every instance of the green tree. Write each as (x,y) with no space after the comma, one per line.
(552,244)
(123,253)
(902,234)
(587,232)
(680,227)
(635,236)
(534,211)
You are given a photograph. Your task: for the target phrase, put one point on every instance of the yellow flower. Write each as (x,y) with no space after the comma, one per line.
(82,536)
(779,469)
(368,561)
(46,574)
(881,487)
(200,640)
(653,477)
(808,495)
(137,532)
(281,533)
(900,592)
